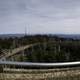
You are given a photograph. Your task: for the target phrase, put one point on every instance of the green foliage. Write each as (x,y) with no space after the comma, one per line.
(54,52)
(51,48)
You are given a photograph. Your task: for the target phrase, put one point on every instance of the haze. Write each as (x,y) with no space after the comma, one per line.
(40,16)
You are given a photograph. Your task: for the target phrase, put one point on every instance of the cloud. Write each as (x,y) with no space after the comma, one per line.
(40,16)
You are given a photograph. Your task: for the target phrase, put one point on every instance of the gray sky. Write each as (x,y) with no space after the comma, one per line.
(40,16)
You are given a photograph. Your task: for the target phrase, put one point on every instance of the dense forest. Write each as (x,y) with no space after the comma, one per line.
(50,48)
(13,42)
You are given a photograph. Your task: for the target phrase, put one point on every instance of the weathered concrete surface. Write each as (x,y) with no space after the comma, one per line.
(47,74)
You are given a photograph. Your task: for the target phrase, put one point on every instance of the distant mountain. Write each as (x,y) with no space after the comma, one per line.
(11,35)
(71,36)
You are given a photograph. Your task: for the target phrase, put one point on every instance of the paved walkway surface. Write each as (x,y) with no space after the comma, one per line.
(41,74)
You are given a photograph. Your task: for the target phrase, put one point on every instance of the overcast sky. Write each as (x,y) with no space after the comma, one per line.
(40,16)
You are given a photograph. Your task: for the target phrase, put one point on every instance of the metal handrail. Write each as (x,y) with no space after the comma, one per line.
(33,64)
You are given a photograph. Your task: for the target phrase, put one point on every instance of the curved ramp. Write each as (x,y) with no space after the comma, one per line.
(16,50)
